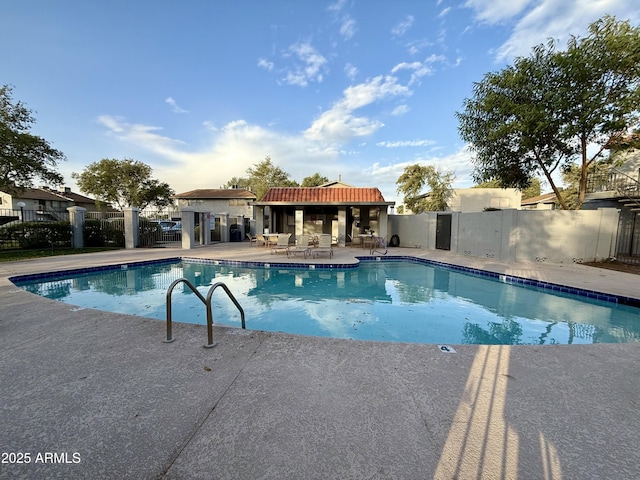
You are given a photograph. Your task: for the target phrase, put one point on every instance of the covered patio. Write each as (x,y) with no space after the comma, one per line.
(342,212)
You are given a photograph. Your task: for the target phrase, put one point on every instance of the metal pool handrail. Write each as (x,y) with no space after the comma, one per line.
(210,313)
(207,303)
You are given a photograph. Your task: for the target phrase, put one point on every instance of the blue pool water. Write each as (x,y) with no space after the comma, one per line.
(398,301)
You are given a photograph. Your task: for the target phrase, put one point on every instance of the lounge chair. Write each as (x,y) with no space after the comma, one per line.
(302,245)
(282,243)
(260,240)
(252,238)
(324,246)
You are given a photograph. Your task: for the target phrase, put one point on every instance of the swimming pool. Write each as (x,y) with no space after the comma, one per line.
(382,298)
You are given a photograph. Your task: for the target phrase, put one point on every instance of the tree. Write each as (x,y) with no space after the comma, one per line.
(414,178)
(262,176)
(237,182)
(124,183)
(572,176)
(547,110)
(314,180)
(23,157)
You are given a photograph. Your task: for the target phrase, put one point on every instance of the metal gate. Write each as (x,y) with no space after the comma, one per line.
(443,232)
(628,242)
(104,229)
(160,228)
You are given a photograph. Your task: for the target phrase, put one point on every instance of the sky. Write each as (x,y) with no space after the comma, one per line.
(202,90)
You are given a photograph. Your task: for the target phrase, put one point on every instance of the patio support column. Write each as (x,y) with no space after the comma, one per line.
(131,227)
(205,228)
(299,221)
(76,218)
(342,226)
(240,223)
(187,217)
(224,227)
(259,214)
(383,222)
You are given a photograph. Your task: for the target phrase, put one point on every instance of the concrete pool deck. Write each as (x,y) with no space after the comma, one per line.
(90,394)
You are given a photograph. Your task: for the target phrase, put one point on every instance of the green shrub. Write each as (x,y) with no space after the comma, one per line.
(113,232)
(93,233)
(38,234)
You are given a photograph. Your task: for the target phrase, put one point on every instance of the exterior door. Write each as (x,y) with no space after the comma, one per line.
(443,232)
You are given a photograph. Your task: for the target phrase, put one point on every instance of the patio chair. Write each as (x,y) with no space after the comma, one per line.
(368,241)
(378,245)
(353,240)
(252,239)
(260,240)
(324,246)
(272,239)
(282,243)
(302,245)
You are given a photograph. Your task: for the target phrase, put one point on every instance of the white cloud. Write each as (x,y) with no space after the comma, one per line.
(406,143)
(350,71)
(400,110)
(419,69)
(385,176)
(175,108)
(141,135)
(337,6)
(444,12)
(402,27)
(231,149)
(267,65)
(348,27)
(311,69)
(339,124)
(496,11)
(416,46)
(238,145)
(534,22)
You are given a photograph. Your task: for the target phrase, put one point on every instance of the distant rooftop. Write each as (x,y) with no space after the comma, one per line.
(545,198)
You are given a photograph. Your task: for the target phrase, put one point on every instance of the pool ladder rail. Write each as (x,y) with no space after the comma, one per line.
(207,303)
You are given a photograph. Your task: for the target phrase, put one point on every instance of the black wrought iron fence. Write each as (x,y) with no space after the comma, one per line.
(32,229)
(162,228)
(104,229)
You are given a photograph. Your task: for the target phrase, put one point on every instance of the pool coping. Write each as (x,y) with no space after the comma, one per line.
(501,277)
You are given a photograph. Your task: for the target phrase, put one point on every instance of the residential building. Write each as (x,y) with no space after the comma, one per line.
(619,188)
(546,201)
(237,202)
(40,204)
(468,200)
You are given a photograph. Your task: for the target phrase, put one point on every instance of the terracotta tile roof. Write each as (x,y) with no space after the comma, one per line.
(323,195)
(221,193)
